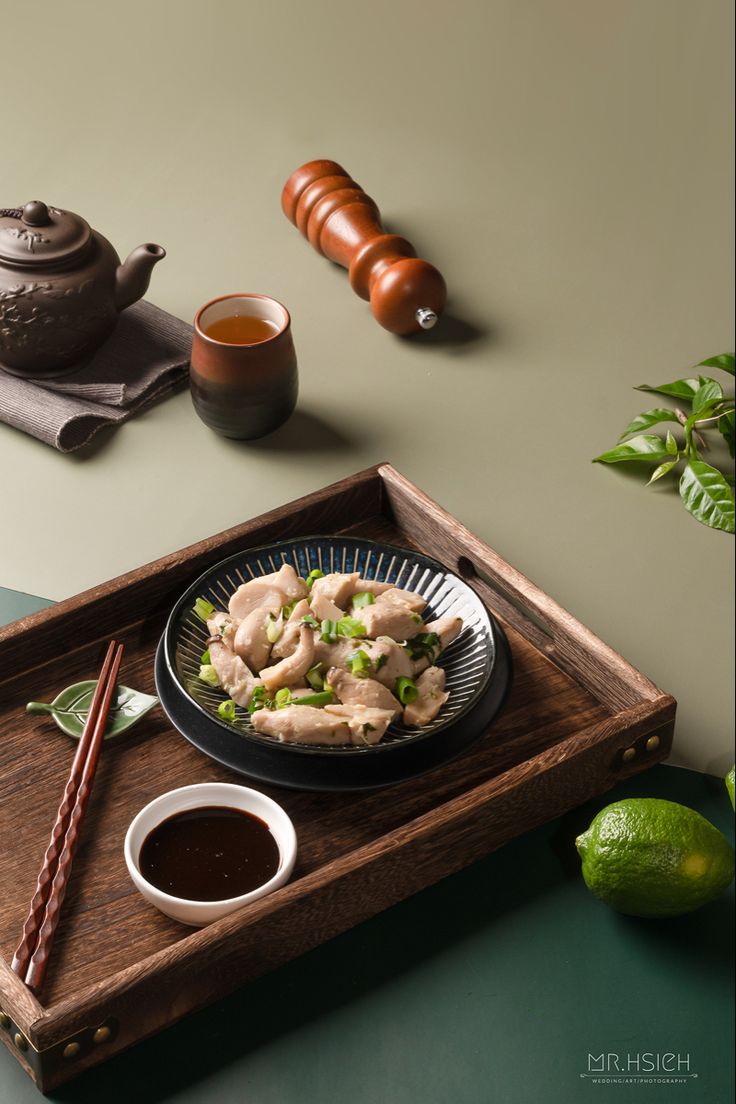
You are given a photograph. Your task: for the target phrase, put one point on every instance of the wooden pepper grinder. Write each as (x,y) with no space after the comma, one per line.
(344,224)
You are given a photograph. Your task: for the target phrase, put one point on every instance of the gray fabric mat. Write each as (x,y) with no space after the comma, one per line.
(145,359)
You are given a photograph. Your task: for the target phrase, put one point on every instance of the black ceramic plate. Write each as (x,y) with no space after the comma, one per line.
(477,666)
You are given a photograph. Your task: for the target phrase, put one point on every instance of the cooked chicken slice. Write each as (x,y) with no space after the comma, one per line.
(324,609)
(340,588)
(287,643)
(289,639)
(419,665)
(235,678)
(251,642)
(447,628)
(222,627)
(361,691)
(336,587)
(288,582)
(367,725)
(300,691)
(372,586)
(293,667)
(334,655)
(390,661)
(387,619)
(431,698)
(408,598)
(258,592)
(301,609)
(302,724)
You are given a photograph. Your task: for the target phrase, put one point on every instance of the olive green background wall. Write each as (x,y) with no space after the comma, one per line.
(567,164)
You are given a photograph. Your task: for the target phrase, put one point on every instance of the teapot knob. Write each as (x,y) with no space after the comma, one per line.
(36,213)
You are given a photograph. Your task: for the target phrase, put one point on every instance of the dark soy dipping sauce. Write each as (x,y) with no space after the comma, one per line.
(209,854)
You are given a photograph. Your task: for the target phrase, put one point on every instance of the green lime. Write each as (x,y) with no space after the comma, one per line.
(649,857)
(729,785)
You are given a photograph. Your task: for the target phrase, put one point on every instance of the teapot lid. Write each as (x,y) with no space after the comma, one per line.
(38,234)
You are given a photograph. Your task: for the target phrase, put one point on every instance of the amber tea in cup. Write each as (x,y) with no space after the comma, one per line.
(241,329)
(243,371)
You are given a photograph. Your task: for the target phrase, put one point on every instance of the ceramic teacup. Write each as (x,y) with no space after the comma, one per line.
(243,389)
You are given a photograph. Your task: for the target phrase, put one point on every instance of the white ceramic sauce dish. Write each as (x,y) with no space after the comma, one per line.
(199,913)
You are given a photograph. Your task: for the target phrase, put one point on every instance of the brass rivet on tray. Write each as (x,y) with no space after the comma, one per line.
(71,1050)
(4,1020)
(652,743)
(101,1035)
(20,1041)
(629,754)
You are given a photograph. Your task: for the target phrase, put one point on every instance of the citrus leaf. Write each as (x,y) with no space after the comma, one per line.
(707,495)
(724,361)
(662,470)
(707,395)
(647,419)
(726,427)
(646,447)
(671,445)
(680,389)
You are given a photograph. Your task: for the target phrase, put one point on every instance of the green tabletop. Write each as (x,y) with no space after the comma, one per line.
(506,982)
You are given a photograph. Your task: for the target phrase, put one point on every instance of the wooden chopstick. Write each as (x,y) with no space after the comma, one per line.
(31,957)
(27,944)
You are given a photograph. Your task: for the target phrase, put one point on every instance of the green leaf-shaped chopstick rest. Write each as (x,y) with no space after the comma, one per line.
(69,708)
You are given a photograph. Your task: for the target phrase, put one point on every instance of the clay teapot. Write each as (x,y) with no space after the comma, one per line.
(62,287)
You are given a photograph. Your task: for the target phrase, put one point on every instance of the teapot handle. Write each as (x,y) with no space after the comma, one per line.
(10,212)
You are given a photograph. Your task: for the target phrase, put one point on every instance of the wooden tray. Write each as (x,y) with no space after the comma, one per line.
(578,720)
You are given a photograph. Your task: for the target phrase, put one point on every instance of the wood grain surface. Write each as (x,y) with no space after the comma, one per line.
(558,741)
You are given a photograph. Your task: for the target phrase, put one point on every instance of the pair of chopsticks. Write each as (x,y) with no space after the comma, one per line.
(32,954)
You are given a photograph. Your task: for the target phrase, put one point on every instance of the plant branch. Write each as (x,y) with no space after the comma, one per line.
(699,441)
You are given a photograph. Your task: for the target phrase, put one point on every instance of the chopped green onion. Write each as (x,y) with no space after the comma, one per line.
(381,661)
(316,574)
(363,598)
(203,609)
(259,700)
(423,646)
(310,619)
(226,710)
(329,631)
(274,628)
(325,698)
(416,618)
(359,664)
(282,697)
(288,610)
(406,690)
(205,657)
(314,678)
(349,626)
(368,728)
(208,674)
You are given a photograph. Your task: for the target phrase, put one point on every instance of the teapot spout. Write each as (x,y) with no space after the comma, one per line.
(134,275)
